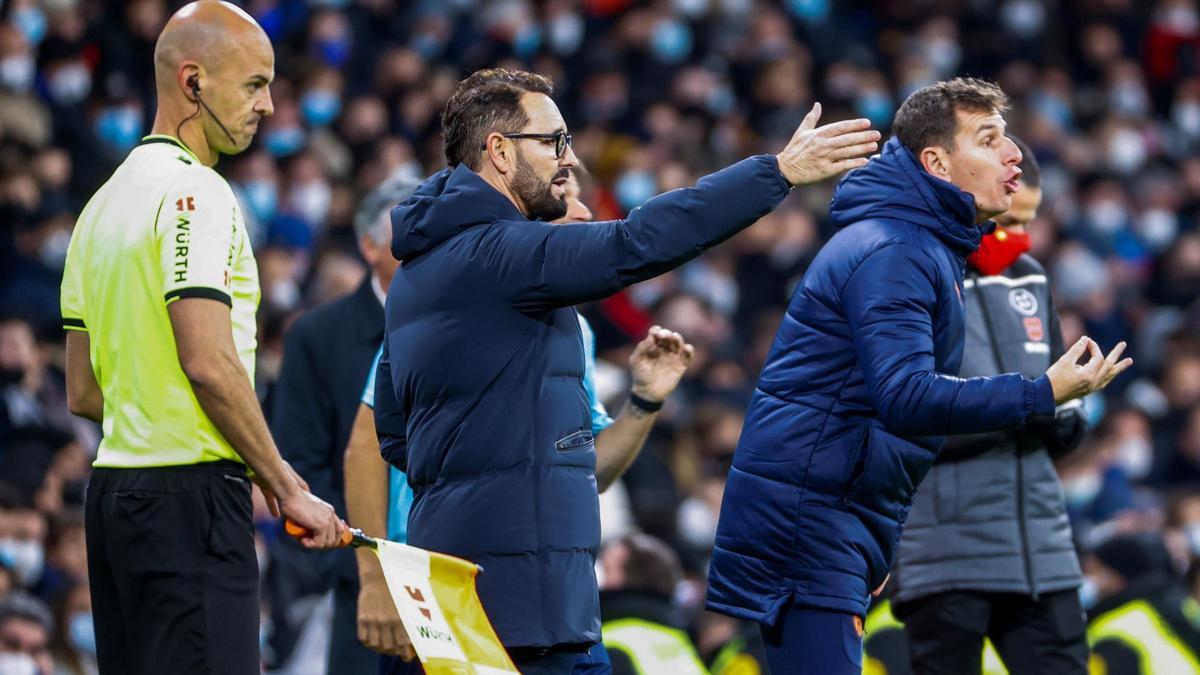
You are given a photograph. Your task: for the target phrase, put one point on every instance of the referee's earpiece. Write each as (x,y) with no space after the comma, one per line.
(194,84)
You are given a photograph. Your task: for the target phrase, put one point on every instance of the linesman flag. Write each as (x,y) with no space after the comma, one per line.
(435,597)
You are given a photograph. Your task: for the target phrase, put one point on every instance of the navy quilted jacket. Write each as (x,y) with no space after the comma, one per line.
(488,413)
(856,396)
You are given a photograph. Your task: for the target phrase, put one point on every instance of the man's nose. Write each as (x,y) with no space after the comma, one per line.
(568,159)
(1015,155)
(266,107)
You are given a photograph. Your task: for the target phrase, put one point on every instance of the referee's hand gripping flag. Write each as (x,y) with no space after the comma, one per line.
(436,599)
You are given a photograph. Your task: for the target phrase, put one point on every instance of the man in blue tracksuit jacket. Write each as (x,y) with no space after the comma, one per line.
(859,388)
(483,349)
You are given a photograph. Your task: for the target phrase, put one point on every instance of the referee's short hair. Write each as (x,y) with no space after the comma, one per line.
(21,605)
(369,218)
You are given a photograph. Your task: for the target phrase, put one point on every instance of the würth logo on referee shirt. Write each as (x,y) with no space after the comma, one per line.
(183,236)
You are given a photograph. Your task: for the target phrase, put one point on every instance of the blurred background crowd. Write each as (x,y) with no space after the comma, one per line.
(657,93)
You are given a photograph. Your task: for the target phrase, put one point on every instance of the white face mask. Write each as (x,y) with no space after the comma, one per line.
(1186,116)
(53,251)
(70,84)
(17,73)
(943,54)
(81,633)
(1081,491)
(1136,457)
(311,202)
(26,558)
(1129,98)
(1107,215)
(1181,19)
(697,523)
(1023,18)
(284,294)
(1126,151)
(1089,593)
(18,664)
(566,32)
(1192,532)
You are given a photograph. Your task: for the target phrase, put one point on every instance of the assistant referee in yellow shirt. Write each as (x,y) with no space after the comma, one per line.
(159,296)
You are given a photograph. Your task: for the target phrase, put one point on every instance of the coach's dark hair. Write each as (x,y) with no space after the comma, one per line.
(1031,173)
(929,117)
(487,101)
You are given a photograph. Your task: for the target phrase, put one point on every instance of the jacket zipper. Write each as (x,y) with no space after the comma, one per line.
(996,354)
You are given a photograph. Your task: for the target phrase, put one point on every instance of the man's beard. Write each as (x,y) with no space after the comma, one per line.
(536,193)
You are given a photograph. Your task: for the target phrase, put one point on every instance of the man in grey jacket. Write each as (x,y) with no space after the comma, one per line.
(987,551)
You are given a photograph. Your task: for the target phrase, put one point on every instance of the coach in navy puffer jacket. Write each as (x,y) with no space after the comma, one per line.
(856,397)
(483,347)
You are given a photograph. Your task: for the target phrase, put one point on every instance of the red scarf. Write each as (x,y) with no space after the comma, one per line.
(998,250)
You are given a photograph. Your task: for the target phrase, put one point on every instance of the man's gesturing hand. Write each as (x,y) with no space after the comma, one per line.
(658,362)
(1070,380)
(816,153)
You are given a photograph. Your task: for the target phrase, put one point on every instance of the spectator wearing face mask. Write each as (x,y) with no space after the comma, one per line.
(74,643)
(26,626)
(1141,620)
(34,422)
(66,554)
(22,537)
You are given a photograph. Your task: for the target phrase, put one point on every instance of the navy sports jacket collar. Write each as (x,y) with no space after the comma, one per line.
(447,203)
(893,184)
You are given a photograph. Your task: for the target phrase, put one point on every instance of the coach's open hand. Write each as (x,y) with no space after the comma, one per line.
(658,362)
(1071,380)
(816,153)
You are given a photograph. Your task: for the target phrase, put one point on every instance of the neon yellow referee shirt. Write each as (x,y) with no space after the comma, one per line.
(163,227)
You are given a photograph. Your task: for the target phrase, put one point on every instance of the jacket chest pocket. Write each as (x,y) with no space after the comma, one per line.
(576,441)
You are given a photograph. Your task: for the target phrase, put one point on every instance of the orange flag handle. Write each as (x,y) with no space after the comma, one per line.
(352,537)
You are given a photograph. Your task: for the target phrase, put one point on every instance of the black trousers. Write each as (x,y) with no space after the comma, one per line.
(172,570)
(1047,636)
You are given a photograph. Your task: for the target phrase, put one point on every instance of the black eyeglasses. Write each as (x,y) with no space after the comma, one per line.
(561,140)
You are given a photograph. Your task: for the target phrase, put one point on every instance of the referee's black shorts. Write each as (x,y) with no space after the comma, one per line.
(172,570)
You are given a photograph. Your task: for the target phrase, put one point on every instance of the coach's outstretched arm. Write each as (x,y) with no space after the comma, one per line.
(891,314)
(585,262)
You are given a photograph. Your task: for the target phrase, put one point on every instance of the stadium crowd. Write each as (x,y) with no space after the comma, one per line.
(1106,93)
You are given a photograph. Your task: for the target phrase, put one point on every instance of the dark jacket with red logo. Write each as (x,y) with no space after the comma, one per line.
(990,515)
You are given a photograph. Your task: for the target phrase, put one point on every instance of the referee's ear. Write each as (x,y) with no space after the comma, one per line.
(190,79)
